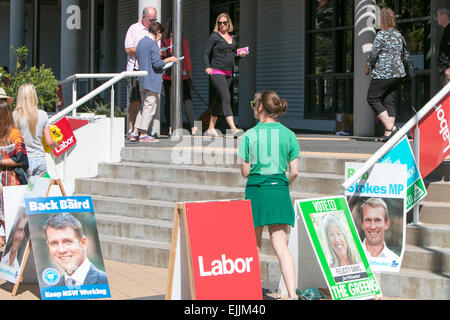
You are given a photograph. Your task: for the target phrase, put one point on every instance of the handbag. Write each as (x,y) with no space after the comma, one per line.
(407,61)
(135,94)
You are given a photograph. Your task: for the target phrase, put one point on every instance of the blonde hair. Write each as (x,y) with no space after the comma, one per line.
(387,18)
(26,106)
(230,24)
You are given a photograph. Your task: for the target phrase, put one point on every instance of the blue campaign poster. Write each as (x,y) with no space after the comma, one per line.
(402,154)
(66,248)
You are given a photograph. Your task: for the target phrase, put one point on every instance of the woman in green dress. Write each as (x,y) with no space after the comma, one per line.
(270,152)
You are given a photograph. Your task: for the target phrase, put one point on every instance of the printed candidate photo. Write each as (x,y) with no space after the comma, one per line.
(67,252)
(16,245)
(336,240)
(380,224)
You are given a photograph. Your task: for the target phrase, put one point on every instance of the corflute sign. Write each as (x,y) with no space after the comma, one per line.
(435,137)
(68,137)
(223,251)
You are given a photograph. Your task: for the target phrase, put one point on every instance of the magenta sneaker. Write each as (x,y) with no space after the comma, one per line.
(147,139)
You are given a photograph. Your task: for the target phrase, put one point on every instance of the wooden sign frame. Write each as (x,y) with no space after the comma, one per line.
(185,280)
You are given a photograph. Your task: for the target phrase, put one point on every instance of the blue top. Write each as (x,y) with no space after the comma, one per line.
(149,59)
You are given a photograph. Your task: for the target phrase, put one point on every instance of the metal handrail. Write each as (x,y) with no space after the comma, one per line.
(116,77)
(396,137)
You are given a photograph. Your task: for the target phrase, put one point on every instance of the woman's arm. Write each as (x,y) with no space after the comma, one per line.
(9,163)
(48,138)
(245,169)
(376,48)
(207,54)
(293,170)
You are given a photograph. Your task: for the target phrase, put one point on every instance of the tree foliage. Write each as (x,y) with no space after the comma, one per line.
(41,77)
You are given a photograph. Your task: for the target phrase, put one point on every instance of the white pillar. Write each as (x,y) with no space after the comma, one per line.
(70,38)
(16,30)
(363,115)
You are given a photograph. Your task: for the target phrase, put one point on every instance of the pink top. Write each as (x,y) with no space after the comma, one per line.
(223,72)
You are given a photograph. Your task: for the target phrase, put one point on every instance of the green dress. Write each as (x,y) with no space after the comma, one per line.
(269,147)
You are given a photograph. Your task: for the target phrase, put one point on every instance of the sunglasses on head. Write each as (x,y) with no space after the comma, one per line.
(223,22)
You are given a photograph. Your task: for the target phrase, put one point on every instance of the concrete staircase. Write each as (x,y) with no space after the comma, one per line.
(134,202)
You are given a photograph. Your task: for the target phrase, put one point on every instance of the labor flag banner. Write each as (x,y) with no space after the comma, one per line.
(434,137)
(338,249)
(223,251)
(69,138)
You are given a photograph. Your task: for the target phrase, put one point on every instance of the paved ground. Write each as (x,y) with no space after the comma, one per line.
(126,282)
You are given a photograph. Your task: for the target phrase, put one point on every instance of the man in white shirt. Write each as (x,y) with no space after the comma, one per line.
(375,221)
(67,247)
(134,34)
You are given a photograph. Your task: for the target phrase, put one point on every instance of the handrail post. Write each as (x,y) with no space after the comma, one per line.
(416,150)
(74,95)
(111,124)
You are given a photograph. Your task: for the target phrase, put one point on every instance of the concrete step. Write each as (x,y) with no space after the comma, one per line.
(134,228)
(164,191)
(134,208)
(145,252)
(434,212)
(438,191)
(224,177)
(428,235)
(432,259)
(415,284)
(216,157)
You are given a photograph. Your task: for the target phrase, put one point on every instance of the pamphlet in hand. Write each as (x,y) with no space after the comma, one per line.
(168,65)
(166,48)
(242,50)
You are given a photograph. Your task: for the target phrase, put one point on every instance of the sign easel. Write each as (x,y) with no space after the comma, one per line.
(207,261)
(57,182)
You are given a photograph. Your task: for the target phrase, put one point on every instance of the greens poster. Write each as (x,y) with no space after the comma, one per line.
(338,249)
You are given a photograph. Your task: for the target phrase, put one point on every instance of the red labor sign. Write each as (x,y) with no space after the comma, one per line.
(68,137)
(224,255)
(435,137)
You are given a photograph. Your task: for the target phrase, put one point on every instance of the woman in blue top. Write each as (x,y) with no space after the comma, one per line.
(269,150)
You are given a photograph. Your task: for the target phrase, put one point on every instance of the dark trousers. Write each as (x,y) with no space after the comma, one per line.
(222,99)
(187,100)
(381,95)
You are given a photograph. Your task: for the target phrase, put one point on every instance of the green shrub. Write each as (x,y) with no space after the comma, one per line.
(41,77)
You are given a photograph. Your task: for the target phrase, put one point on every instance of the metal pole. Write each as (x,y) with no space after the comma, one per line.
(92,40)
(36,29)
(416,150)
(177,81)
(111,128)
(74,96)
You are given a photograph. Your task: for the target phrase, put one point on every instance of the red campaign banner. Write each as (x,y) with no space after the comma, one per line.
(68,137)
(224,254)
(435,137)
